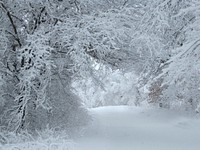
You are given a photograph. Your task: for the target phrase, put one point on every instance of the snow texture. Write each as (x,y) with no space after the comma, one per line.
(134,128)
(128,128)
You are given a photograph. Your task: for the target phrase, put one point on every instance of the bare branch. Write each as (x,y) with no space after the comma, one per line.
(12,23)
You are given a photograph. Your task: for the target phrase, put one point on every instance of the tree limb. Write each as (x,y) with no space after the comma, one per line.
(12,23)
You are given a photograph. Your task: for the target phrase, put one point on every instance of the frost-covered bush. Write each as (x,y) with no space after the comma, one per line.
(46,140)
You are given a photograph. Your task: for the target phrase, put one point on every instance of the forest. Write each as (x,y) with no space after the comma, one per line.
(63,60)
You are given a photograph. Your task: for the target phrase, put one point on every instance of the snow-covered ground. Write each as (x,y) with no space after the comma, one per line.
(128,128)
(42,144)
(134,128)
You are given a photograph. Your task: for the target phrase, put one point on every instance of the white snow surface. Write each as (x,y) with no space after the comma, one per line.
(136,128)
(128,128)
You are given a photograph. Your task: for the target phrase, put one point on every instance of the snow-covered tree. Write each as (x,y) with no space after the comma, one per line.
(30,71)
(176,86)
(47,45)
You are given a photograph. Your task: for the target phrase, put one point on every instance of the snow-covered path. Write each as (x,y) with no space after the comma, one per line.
(132,128)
